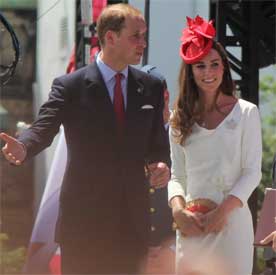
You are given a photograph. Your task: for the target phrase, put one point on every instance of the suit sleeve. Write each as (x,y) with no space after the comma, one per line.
(42,132)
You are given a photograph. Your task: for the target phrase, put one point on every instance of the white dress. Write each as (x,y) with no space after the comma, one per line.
(213,164)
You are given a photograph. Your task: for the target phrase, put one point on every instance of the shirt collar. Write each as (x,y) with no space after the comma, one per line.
(107,72)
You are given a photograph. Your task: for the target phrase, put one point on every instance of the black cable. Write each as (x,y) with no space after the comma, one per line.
(45,12)
(10,69)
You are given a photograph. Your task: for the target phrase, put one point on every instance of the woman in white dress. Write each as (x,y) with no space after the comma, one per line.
(216,153)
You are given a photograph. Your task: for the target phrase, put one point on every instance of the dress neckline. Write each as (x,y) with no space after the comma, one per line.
(222,122)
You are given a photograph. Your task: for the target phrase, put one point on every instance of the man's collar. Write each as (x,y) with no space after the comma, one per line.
(107,72)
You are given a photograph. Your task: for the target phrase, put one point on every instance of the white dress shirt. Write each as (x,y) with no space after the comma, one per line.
(109,78)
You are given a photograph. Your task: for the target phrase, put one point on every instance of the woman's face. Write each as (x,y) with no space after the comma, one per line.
(208,72)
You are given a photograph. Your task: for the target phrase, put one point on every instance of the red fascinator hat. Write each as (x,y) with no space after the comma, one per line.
(197,39)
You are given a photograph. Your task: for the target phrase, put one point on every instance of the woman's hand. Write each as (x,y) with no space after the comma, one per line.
(187,222)
(215,220)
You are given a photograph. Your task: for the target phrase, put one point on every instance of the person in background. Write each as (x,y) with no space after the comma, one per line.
(43,254)
(162,235)
(105,108)
(216,154)
(270,238)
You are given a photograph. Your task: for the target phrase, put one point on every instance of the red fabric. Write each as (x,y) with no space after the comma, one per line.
(55,265)
(71,67)
(119,103)
(197,39)
(199,208)
(98,5)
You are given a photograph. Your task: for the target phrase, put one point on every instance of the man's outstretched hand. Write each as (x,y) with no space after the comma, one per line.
(14,151)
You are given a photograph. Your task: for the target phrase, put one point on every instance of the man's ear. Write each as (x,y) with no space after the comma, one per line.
(110,37)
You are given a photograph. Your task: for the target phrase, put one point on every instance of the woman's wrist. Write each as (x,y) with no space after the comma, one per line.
(177,205)
(177,202)
(230,203)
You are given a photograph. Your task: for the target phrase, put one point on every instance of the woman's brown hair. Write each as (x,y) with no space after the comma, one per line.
(188,108)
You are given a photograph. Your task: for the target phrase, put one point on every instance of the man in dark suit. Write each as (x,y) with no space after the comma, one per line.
(113,125)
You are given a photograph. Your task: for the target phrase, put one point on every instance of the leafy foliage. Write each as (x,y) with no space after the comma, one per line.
(268,99)
(11,261)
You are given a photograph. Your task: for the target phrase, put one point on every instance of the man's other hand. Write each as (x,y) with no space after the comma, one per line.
(159,174)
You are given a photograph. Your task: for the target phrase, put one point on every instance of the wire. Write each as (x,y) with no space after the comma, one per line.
(9,70)
(44,13)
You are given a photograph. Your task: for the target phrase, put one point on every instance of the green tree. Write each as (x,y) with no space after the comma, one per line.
(11,260)
(268,113)
(268,99)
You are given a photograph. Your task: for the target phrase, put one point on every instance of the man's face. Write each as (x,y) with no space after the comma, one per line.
(166,97)
(166,110)
(130,43)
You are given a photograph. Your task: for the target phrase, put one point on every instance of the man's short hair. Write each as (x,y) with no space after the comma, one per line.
(113,18)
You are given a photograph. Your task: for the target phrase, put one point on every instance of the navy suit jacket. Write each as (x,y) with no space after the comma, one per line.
(104,182)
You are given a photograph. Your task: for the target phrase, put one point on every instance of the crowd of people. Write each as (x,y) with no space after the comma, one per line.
(147,189)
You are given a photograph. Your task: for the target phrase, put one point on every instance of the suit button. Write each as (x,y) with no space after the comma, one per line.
(151,190)
(152,228)
(152,210)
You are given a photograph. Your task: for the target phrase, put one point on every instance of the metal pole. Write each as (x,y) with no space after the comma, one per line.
(147,19)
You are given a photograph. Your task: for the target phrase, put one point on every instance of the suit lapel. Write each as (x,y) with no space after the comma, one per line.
(100,99)
(101,102)
(135,90)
